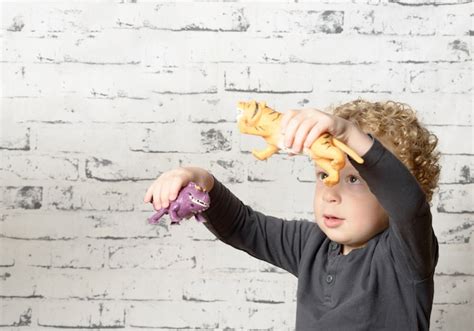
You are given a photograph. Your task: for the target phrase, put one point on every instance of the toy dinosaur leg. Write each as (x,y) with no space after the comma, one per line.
(174,216)
(265,153)
(200,218)
(156,217)
(333,175)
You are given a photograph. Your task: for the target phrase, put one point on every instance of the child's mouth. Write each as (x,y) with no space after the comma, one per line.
(332,221)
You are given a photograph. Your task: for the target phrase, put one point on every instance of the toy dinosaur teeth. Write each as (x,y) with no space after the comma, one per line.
(199,202)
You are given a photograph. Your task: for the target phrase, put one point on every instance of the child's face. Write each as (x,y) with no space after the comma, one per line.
(360,214)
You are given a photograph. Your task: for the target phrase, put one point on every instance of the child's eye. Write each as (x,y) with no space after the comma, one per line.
(321,175)
(353,179)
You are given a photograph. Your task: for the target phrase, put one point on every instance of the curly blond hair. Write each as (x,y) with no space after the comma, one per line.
(396,126)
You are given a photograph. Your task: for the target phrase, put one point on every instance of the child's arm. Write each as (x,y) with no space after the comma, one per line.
(268,238)
(403,199)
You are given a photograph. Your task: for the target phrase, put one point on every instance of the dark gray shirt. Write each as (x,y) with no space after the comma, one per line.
(386,285)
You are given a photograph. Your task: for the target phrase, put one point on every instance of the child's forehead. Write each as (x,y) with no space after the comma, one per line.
(348,168)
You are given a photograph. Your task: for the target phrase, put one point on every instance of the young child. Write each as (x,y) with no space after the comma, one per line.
(368,260)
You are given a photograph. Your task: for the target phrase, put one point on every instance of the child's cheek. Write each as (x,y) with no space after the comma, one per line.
(358,191)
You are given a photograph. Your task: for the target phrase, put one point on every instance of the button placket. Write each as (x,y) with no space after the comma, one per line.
(330,277)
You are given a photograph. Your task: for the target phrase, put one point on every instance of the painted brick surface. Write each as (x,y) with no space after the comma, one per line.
(99,99)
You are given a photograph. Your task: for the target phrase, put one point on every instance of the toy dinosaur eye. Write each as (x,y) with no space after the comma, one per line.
(192,205)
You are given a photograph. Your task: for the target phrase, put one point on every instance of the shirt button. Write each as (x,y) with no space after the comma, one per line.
(334,246)
(329,279)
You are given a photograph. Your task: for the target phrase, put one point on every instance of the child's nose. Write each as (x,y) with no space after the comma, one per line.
(331,194)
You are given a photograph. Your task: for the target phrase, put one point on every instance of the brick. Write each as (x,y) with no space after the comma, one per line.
(294,19)
(184,80)
(81,314)
(82,254)
(455,79)
(18,282)
(212,17)
(79,17)
(257,79)
(439,108)
(15,313)
(80,79)
(104,138)
(283,200)
(67,225)
(403,20)
(211,289)
(452,317)
(82,197)
(226,168)
(15,137)
(456,198)
(203,138)
(453,228)
(74,47)
(453,290)
(22,197)
(114,169)
(457,169)
(275,169)
(106,284)
(222,257)
(454,259)
(173,314)
(77,109)
(428,2)
(151,255)
(33,167)
(266,317)
(450,136)
(280,288)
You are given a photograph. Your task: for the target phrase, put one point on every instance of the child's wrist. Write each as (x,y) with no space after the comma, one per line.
(359,141)
(203,178)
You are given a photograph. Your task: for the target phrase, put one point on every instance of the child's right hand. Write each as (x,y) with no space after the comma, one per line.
(167,186)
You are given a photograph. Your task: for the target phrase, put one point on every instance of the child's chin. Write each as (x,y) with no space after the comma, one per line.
(334,236)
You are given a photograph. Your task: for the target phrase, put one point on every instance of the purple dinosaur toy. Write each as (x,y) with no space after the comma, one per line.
(191,200)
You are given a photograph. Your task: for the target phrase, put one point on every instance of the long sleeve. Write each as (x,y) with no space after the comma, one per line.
(267,238)
(410,225)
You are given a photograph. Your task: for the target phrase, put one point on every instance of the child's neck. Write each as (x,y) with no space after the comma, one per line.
(346,249)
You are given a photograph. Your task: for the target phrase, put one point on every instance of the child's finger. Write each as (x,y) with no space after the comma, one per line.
(165,193)
(175,187)
(157,198)
(148,194)
(286,117)
(301,134)
(314,134)
(291,129)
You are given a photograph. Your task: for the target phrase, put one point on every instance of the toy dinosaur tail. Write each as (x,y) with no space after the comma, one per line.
(346,149)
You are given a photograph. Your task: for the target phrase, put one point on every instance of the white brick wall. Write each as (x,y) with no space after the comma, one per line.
(93,95)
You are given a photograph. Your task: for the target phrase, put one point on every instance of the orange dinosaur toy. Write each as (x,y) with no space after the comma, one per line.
(257,118)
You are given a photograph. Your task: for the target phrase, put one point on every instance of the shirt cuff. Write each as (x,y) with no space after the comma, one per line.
(373,155)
